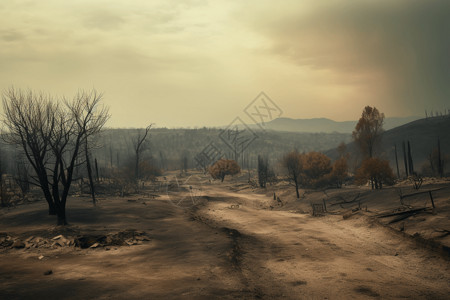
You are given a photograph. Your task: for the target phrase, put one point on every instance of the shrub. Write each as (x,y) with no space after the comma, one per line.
(375,170)
(339,172)
(315,168)
(224,167)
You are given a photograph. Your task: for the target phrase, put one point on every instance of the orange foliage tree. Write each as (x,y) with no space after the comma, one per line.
(224,167)
(377,171)
(368,130)
(339,172)
(315,168)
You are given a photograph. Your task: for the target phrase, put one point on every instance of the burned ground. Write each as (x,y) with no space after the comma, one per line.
(232,242)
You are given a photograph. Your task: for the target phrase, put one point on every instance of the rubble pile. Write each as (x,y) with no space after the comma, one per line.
(122,238)
(8,241)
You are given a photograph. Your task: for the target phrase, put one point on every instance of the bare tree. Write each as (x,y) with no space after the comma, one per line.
(137,147)
(184,161)
(22,175)
(89,171)
(263,173)
(52,135)
(439,164)
(396,160)
(294,164)
(3,201)
(410,160)
(405,159)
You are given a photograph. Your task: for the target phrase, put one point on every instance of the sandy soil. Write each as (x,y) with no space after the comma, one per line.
(234,243)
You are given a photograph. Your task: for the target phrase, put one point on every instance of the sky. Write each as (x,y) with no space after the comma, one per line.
(195,63)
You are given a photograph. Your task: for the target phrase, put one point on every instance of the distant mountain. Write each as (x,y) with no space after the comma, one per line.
(326,125)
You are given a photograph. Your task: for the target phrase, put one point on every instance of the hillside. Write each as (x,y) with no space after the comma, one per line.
(166,147)
(422,135)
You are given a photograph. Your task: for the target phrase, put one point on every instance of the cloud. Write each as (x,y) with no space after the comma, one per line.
(316,58)
(401,46)
(103,19)
(11,35)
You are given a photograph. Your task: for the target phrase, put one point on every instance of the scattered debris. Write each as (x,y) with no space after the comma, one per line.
(123,238)
(350,213)
(343,201)
(402,215)
(318,210)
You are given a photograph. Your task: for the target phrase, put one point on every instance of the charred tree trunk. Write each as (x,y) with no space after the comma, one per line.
(136,165)
(296,185)
(396,161)
(440,167)
(410,160)
(405,158)
(110,156)
(89,170)
(97,175)
(61,215)
(137,149)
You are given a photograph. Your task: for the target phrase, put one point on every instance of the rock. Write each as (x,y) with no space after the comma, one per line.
(18,244)
(6,243)
(87,241)
(63,241)
(58,243)
(3,237)
(48,272)
(41,257)
(95,245)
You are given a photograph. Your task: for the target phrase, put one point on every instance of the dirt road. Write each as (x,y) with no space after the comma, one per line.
(229,247)
(288,255)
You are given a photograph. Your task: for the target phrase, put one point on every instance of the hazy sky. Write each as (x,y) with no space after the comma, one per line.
(196,63)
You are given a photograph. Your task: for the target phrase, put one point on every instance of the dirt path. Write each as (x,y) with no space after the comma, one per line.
(229,247)
(286,255)
(184,259)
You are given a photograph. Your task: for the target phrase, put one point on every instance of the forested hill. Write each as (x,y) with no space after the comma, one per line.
(166,147)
